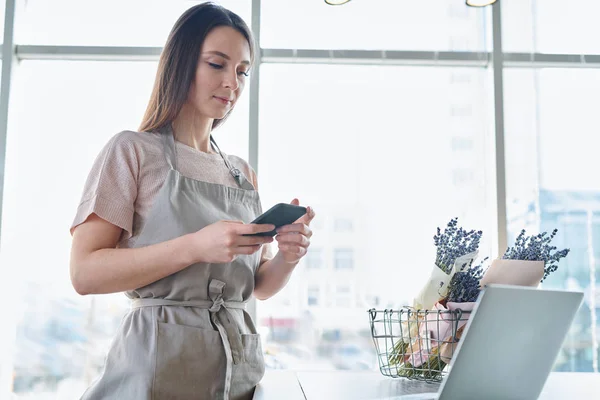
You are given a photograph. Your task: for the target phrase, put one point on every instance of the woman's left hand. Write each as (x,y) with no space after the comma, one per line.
(294,239)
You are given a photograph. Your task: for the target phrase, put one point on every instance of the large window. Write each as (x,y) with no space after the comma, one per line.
(107,23)
(373,144)
(551,26)
(553,183)
(63,114)
(384,153)
(374,25)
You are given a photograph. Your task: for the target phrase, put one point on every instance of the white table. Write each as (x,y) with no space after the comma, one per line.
(334,385)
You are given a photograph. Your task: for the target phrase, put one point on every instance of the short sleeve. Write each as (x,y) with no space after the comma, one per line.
(110,190)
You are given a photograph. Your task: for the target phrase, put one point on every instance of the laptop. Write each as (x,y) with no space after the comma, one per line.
(509,346)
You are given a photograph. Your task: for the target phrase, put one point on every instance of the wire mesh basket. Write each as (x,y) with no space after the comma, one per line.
(416,344)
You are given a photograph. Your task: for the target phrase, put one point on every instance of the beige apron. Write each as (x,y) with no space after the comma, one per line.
(187,335)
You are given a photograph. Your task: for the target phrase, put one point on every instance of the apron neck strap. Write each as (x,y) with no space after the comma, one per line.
(169,147)
(171,157)
(240,179)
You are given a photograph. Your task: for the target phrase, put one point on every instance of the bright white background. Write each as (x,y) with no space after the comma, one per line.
(385,154)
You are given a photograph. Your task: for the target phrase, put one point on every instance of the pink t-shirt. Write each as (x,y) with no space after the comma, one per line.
(129,172)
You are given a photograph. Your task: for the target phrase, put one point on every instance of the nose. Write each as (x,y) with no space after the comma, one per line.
(230,80)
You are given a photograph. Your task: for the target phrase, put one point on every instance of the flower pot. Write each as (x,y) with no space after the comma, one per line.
(514,272)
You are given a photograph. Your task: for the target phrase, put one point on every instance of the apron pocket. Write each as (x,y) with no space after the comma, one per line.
(190,362)
(252,349)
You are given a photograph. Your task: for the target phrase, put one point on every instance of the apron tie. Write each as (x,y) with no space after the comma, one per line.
(216,306)
(220,317)
(230,334)
(223,320)
(215,292)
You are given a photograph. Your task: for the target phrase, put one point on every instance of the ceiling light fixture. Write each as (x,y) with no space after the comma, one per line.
(479,3)
(336,2)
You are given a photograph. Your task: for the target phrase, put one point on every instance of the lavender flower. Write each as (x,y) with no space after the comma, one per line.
(537,248)
(453,243)
(464,285)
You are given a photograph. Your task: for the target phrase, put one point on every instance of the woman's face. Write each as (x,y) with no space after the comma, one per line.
(221,73)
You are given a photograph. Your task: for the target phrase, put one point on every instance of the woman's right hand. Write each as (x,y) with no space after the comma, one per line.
(223,241)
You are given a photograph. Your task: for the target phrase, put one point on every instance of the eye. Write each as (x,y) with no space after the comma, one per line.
(215,66)
(246,74)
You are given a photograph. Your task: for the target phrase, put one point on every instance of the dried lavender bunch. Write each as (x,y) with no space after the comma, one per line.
(454,242)
(464,285)
(537,248)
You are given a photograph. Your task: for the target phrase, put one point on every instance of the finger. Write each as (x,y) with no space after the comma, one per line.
(297,228)
(291,249)
(247,249)
(295,202)
(248,229)
(253,240)
(293,239)
(308,217)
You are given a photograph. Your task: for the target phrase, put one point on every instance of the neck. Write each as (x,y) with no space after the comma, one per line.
(193,130)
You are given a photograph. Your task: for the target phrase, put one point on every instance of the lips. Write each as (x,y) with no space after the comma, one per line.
(223,100)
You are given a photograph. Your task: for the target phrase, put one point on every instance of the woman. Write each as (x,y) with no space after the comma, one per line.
(160,219)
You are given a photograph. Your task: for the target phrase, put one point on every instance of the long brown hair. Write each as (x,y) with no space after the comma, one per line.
(179,60)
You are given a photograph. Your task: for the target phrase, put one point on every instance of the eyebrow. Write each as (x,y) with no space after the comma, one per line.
(225,56)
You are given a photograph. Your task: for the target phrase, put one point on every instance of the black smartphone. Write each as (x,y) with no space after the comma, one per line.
(279,215)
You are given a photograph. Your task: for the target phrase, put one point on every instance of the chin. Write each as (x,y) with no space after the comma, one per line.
(220,114)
